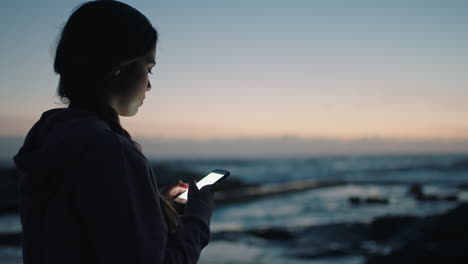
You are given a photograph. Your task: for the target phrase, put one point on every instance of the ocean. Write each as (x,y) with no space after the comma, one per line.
(313,225)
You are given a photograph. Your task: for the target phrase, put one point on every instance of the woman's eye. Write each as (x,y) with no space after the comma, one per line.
(149,71)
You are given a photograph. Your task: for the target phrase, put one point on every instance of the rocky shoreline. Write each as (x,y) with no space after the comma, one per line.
(387,239)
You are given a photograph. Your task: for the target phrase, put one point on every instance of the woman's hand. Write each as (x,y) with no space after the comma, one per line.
(171,191)
(204,195)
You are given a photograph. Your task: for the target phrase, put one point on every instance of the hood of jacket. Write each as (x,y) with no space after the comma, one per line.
(53,145)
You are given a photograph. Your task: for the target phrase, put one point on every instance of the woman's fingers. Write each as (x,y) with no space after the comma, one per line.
(182,184)
(175,189)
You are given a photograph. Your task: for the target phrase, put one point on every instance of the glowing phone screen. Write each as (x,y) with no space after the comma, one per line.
(208,179)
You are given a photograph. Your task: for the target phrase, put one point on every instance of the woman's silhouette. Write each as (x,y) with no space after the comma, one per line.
(87,193)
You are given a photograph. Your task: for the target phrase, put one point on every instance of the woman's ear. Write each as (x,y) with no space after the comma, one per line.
(112,74)
(115,73)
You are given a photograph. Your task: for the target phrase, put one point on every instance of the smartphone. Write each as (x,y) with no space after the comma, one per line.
(213,177)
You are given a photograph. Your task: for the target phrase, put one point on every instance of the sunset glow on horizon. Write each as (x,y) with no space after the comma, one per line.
(241,69)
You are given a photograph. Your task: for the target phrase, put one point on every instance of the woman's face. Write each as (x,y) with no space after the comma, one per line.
(129,87)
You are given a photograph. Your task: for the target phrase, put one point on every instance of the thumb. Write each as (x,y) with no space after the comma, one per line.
(193,185)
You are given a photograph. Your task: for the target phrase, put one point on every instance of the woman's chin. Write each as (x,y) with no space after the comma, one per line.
(129,112)
(134,112)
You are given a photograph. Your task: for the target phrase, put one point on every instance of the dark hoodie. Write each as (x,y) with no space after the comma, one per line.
(87,195)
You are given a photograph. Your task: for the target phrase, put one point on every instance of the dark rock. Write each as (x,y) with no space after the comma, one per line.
(451,197)
(376,200)
(273,234)
(334,250)
(10,239)
(417,192)
(450,225)
(383,228)
(355,200)
(441,238)
(426,252)
(433,197)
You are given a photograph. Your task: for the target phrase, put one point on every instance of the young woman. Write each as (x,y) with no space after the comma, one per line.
(87,193)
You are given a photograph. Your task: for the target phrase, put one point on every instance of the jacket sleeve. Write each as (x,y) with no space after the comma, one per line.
(120,211)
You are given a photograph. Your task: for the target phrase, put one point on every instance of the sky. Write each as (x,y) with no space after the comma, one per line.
(226,70)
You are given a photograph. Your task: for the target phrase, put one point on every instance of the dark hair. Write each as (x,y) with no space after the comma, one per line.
(95,39)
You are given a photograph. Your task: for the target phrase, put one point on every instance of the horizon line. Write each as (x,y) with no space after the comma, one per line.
(283,137)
